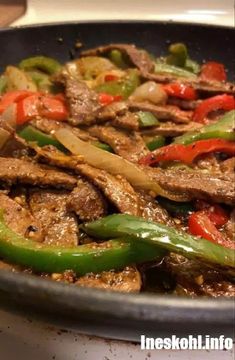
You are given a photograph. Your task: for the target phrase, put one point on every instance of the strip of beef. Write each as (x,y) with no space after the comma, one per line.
(83,102)
(14,171)
(128,280)
(212,163)
(228,165)
(87,201)
(127,121)
(50,127)
(183,104)
(209,162)
(112,110)
(196,279)
(130,146)
(20,219)
(205,86)
(169,128)
(229,227)
(167,112)
(116,188)
(50,208)
(152,211)
(139,58)
(196,184)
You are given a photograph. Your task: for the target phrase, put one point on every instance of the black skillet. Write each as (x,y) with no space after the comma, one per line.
(91,311)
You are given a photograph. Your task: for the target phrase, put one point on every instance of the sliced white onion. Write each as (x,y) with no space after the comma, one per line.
(19,80)
(112,163)
(150,91)
(4,136)
(8,117)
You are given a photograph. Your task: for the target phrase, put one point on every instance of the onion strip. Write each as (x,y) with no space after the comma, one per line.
(4,136)
(112,163)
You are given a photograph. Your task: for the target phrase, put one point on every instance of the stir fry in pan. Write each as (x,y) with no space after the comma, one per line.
(117,171)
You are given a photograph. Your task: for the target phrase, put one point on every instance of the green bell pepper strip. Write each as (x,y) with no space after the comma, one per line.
(155,143)
(222,129)
(44,63)
(147,119)
(161,68)
(41,79)
(30,134)
(192,66)
(82,259)
(177,209)
(102,146)
(117,58)
(3,84)
(131,227)
(178,54)
(121,87)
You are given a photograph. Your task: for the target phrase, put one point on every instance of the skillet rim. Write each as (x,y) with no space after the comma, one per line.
(116,21)
(10,279)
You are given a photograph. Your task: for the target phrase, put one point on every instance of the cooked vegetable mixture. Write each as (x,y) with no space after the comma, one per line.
(117,171)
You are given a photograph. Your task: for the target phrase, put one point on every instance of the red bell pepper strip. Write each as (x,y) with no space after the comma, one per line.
(213,71)
(223,102)
(200,224)
(52,107)
(111,77)
(215,212)
(180,90)
(27,109)
(187,153)
(106,99)
(13,97)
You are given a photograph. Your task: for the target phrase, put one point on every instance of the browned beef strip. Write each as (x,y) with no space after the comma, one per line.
(205,86)
(139,58)
(228,165)
(169,128)
(152,211)
(121,194)
(51,155)
(209,162)
(127,121)
(183,104)
(26,172)
(116,188)
(215,187)
(83,102)
(167,112)
(87,201)
(130,146)
(194,278)
(229,227)
(20,219)
(50,127)
(112,110)
(128,280)
(50,208)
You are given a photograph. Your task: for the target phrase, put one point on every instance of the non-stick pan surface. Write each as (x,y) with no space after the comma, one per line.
(113,315)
